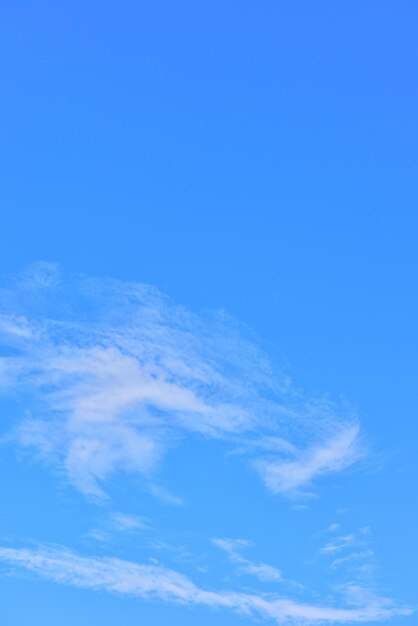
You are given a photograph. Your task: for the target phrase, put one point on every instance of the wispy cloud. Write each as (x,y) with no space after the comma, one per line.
(262,571)
(114,373)
(154,581)
(124,522)
(351,551)
(115,524)
(349,540)
(353,557)
(340,543)
(333,454)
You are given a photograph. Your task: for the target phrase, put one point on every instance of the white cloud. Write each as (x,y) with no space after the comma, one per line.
(340,543)
(353,557)
(165,495)
(333,527)
(351,551)
(262,571)
(154,581)
(17,326)
(113,374)
(332,455)
(124,522)
(115,524)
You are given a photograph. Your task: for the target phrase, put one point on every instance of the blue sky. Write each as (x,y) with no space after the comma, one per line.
(208,313)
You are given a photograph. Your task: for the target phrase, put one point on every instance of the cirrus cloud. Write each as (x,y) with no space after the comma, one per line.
(154,581)
(114,373)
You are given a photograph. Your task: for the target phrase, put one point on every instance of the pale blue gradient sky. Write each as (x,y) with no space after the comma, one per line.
(247,421)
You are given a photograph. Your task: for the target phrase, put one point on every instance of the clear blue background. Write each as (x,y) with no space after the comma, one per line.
(255,156)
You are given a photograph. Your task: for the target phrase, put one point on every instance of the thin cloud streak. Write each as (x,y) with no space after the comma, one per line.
(262,571)
(332,455)
(151,581)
